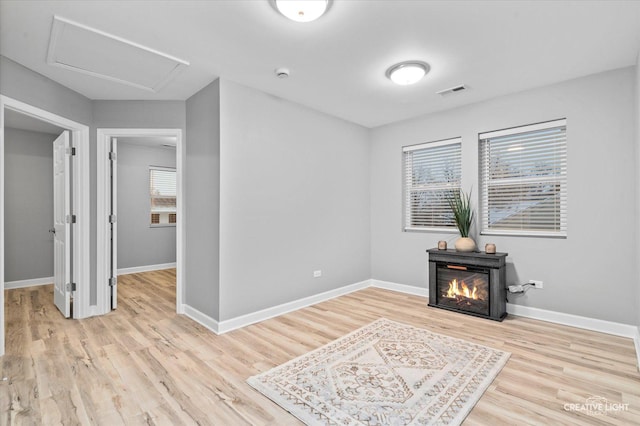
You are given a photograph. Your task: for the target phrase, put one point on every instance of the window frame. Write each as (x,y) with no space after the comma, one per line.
(407,187)
(560,179)
(151,212)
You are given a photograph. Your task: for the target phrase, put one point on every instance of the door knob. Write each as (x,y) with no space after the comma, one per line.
(52,231)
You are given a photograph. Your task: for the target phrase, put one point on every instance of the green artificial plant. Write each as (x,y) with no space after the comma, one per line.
(460,203)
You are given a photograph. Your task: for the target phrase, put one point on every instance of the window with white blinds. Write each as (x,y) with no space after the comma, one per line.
(431,171)
(523,180)
(162,192)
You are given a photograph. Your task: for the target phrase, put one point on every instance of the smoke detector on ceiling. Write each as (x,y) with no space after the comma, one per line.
(282,72)
(452,90)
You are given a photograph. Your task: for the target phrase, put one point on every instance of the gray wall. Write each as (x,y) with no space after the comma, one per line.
(294,198)
(322,220)
(139,114)
(32,88)
(28,205)
(202,197)
(138,243)
(27,86)
(582,272)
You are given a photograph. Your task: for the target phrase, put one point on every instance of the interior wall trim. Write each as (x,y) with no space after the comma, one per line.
(264,314)
(592,324)
(402,288)
(202,319)
(81,194)
(221,327)
(103,266)
(9,285)
(586,323)
(146,268)
(636,340)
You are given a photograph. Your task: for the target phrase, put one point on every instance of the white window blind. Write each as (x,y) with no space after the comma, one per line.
(523,180)
(431,171)
(162,191)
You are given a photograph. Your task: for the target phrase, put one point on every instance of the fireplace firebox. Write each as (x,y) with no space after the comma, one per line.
(471,283)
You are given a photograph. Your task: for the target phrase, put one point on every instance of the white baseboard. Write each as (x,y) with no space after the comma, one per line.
(402,288)
(180,309)
(201,318)
(220,327)
(636,340)
(264,314)
(602,326)
(146,268)
(27,283)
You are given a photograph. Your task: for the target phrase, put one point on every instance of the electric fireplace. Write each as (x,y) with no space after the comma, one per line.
(471,283)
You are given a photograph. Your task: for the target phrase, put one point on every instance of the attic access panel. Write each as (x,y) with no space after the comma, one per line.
(89,51)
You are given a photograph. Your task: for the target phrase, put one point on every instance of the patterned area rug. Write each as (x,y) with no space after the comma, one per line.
(385,373)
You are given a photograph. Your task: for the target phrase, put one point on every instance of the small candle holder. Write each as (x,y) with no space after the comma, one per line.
(442,245)
(490,248)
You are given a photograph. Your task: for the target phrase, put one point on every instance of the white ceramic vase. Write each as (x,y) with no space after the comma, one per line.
(465,244)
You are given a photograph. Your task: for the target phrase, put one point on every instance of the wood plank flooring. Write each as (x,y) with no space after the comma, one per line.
(143,364)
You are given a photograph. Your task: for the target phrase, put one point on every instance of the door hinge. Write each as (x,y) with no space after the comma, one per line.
(71,286)
(113,281)
(71,150)
(113,156)
(112,218)
(71,218)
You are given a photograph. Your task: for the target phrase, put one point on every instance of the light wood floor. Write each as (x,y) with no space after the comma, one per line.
(143,364)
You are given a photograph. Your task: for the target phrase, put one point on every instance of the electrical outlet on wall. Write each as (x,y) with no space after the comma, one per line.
(536,283)
(317,274)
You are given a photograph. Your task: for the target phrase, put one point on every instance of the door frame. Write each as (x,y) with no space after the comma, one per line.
(80,193)
(104,136)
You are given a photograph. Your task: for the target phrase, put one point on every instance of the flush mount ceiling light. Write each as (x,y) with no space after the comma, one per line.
(302,10)
(408,72)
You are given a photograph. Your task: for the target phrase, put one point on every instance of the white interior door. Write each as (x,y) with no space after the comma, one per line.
(113,222)
(62,223)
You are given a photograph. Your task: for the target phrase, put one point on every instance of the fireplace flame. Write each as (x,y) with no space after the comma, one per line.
(461,289)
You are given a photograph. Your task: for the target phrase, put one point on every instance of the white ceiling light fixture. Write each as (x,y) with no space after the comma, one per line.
(302,10)
(408,72)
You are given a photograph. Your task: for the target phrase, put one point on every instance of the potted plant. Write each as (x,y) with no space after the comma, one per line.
(460,204)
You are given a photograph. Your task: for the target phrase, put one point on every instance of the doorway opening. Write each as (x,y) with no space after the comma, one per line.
(72,268)
(29,201)
(140,207)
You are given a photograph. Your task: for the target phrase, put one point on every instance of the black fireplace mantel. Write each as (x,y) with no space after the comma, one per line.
(495,264)
(474,258)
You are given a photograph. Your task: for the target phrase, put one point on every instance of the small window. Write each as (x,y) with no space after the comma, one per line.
(431,172)
(523,180)
(162,191)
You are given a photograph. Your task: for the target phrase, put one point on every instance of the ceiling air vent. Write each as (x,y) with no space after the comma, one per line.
(452,90)
(89,51)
